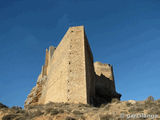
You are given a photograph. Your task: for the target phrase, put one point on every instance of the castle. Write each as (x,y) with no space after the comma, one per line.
(70,75)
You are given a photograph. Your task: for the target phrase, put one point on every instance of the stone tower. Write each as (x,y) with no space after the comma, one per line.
(68,74)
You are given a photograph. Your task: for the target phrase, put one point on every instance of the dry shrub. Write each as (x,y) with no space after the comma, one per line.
(106,117)
(2,106)
(128,104)
(106,107)
(149,104)
(76,112)
(20,118)
(158,101)
(83,105)
(150,99)
(136,109)
(70,118)
(17,109)
(115,100)
(9,117)
(54,112)
(31,115)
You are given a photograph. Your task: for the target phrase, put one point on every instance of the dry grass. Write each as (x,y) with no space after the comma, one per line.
(108,111)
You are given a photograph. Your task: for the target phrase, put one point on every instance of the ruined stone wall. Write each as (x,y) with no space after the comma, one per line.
(105,69)
(50,56)
(44,77)
(44,68)
(56,85)
(67,76)
(77,92)
(38,93)
(90,74)
(105,85)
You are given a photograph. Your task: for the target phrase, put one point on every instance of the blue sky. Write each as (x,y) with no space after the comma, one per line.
(124,33)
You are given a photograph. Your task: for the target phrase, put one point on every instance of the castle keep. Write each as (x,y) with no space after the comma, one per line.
(69,74)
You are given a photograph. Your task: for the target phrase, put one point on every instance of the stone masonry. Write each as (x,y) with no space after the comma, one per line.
(69,74)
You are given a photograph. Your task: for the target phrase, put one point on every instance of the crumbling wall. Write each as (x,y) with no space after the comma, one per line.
(56,85)
(105,85)
(104,72)
(36,95)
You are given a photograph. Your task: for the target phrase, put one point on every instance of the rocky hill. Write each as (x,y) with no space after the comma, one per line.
(116,110)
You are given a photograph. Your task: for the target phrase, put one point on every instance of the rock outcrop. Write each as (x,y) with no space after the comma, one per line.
(69,74)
